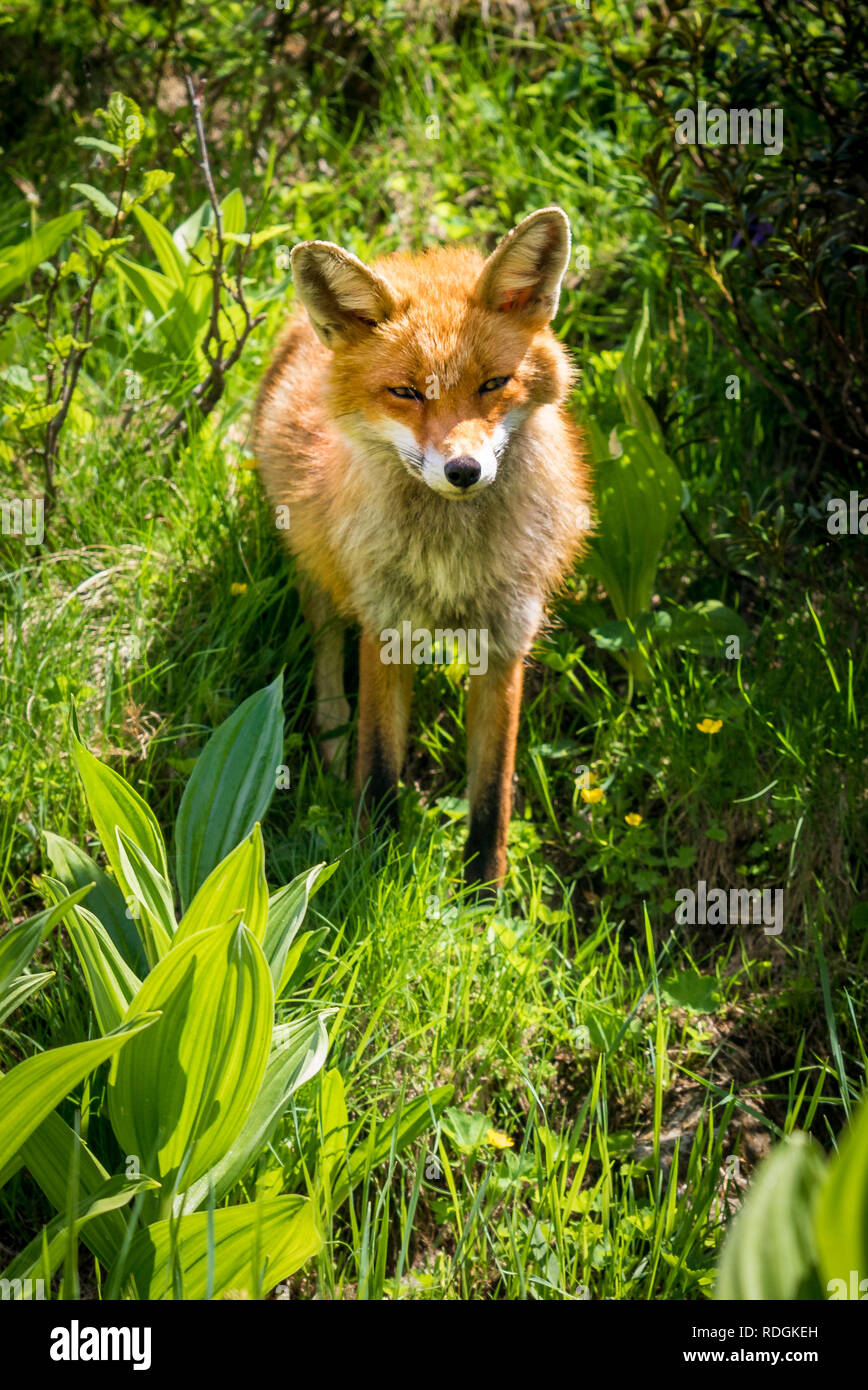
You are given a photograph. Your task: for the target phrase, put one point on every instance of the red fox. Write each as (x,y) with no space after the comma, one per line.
(413,422)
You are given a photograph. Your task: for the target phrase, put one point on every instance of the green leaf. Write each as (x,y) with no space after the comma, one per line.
(841,1224)
(334,1128)
(230,789)
(19,944)
(639,499)
(97,197)
(31,1090)
(17,263)
(19,990)
(104,146)
(298,1052)
(154,180)
(115,805)
(152,894)
(74,868)
(255,1247)
(180,1101)
(49,1154)
(165,301)
(256,239)
(769,1251)
(467,1132)
(286,912)
(699,994)
(46,1251)
(124,122)
(111,983)
(705,627)
(188,233)
(163,247)
(233,213)
(237,884)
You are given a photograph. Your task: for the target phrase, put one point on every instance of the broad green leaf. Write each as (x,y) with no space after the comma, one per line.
(17,263)
(334,1129)
(19,944)
(401,1129)
(74,868)
(31,1090)
(186,236)
(165,301)
(115,805)
(113,1194)
(111,983)
(233,213)
(637,411)
(298,1051)
(841,1224)
(163,247)
(237,884)
(769,1251)
(286,912)
(153,895)
(180,1102)
(255,1247)
(48,1155)
(639,499)
(19,990)
(230,788)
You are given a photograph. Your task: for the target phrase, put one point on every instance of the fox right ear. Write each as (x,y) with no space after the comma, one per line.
(523,274)
(342,296)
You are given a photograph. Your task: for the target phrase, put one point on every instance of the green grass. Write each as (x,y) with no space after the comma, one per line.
(626,1058)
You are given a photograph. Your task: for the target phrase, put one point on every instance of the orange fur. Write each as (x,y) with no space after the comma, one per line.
(381,531)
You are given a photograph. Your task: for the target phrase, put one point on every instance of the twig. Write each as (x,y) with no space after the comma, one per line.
(207,393)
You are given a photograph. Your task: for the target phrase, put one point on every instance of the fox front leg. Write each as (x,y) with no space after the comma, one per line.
(493,705)
(385,693)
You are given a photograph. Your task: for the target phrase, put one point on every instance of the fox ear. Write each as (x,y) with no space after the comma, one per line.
(342,296)
(523,274)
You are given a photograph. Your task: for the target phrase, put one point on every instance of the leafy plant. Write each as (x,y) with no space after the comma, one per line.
(802,1232)
(191,1111)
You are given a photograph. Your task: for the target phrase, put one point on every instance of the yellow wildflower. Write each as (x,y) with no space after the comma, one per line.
(238,589)
(633,820)
(592,795)
(710,726)
(498,1140)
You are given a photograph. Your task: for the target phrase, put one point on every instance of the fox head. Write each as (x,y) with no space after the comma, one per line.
(439,358)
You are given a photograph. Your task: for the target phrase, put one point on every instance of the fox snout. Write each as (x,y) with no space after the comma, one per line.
(463,460)
(463,471)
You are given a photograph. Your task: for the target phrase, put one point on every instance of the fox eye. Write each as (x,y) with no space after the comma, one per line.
(494,383)
(406,393)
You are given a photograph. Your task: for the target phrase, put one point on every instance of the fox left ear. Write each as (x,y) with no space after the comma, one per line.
(523,274)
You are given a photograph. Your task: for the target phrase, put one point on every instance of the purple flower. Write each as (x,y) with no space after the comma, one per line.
(757,232)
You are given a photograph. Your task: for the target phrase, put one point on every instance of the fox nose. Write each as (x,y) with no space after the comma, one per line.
(462,472)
